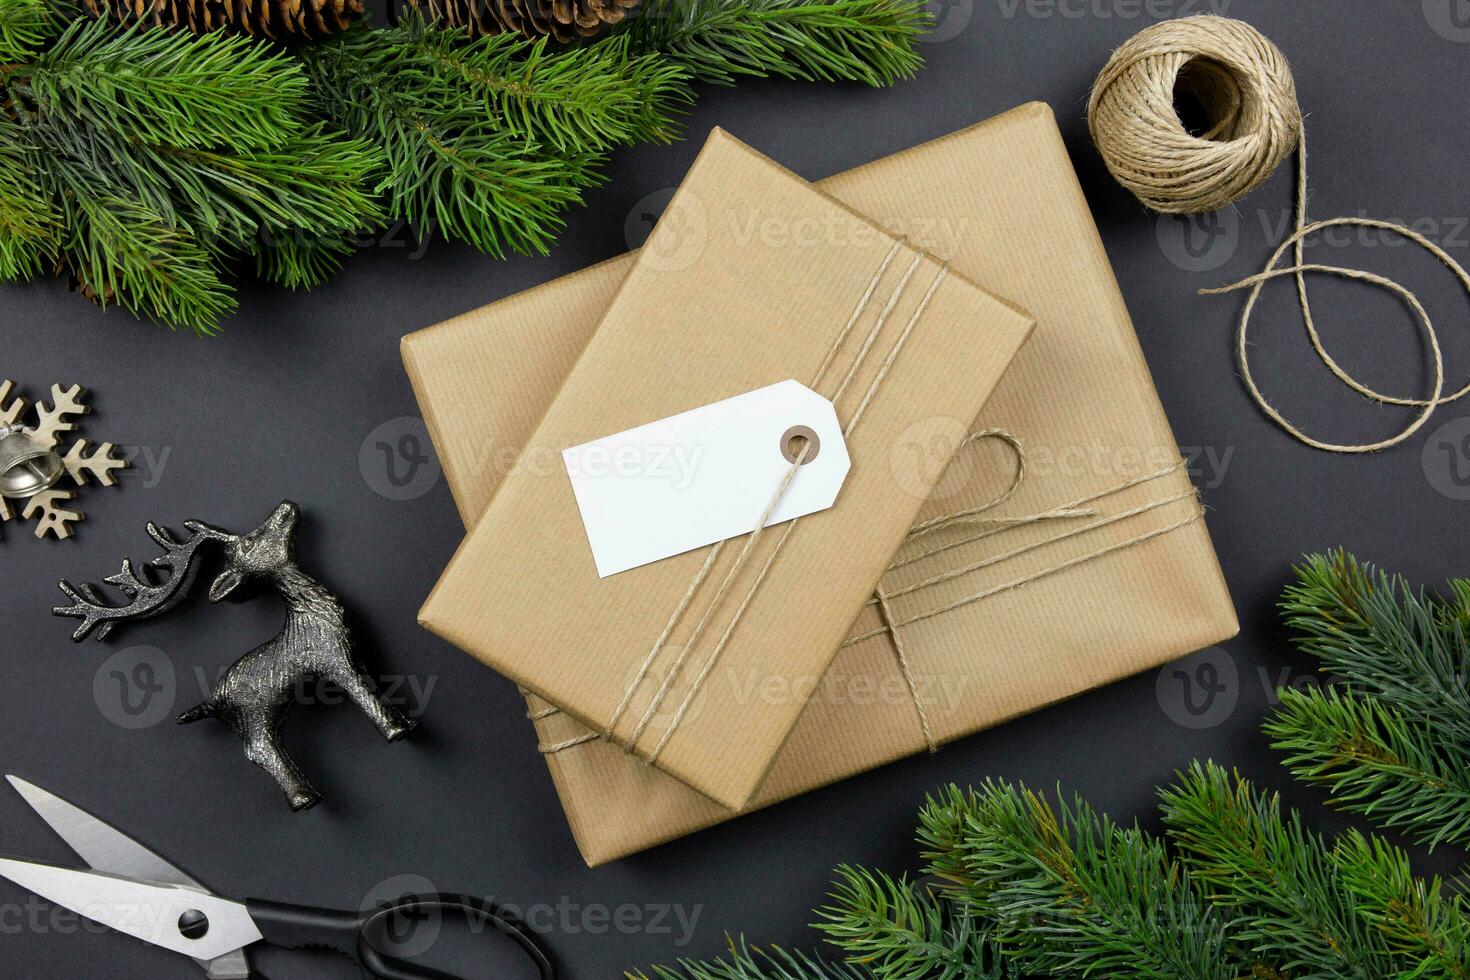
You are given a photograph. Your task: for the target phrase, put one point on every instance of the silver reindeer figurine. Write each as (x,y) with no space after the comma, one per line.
(255,693)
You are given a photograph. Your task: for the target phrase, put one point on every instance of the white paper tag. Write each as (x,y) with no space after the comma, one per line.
(705,475)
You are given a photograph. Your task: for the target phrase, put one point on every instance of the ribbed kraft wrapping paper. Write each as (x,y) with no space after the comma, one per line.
(753,276)
(1001,201)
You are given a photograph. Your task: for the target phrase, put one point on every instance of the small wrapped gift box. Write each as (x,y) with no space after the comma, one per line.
(754,282)
(1066,603)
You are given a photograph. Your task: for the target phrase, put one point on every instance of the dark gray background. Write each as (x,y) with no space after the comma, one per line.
(282,404)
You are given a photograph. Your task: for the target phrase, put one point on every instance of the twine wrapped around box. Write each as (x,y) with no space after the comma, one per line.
(1068,604)
(733,573)
(687,329)
(892,624)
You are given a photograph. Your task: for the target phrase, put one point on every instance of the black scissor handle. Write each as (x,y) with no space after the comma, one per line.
(353,933)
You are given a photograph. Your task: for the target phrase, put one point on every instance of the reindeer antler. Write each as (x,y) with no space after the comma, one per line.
(148,598)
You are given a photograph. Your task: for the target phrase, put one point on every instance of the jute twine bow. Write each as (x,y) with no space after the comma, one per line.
(1244,85)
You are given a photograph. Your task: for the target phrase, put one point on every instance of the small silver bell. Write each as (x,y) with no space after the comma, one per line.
(26,467)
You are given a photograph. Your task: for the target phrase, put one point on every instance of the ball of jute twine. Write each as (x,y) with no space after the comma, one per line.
(1244,85)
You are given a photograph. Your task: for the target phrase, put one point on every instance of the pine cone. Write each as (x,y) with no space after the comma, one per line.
(564,20)
(280,20)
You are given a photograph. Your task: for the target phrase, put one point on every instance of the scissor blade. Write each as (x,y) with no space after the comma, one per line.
(106,848)
(101,845)
(139,909)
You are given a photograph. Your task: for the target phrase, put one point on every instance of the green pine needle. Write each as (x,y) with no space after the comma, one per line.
(297,260)
(868,41)
(168,87)
(207,148)
(313,183)
(1070,893)
(1236,890)
(1401,646)
(1375,761)
(754,963)
(1274,875)
(122,252)
(29,224)
(902,931)
(449,165)
(25,25)
(1428,928)
(1393,742)
(572,100)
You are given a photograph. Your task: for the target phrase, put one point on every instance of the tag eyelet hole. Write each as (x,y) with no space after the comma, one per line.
(797,438)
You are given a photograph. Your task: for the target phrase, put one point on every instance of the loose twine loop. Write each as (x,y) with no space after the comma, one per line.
(1245,87)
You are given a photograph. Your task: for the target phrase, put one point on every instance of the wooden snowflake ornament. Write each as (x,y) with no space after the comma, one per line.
(81,462)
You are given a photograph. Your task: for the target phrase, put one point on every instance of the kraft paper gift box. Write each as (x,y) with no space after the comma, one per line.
(1000,200)
(756,278)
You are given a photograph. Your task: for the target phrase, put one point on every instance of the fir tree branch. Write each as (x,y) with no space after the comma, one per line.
(448,165)
(1404,648)
(148,158)
(903,932)
(745,962)
(1071,894)
(29,224)
(313,183)
(1396,744)
(298,260)
(1277,877)
(121,251)
(168,87)
(1063,889)
(187,206)
(1430,929)
(1376,762)
(24,26)
(575,100)
(869,41)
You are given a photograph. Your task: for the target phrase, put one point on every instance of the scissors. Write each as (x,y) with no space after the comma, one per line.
(134,891)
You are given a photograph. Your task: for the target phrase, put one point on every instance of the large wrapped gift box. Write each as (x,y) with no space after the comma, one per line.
(583,582)
(1094,566)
